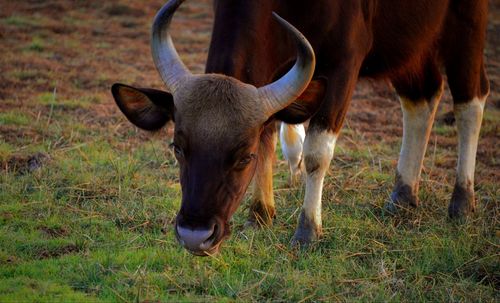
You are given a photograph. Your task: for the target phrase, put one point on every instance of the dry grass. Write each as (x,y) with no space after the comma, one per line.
(87,201)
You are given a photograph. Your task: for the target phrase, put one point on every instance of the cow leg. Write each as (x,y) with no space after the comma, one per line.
(292,139)
(325,125)
(262,208)
(418,117)
(462,49)
(470,90)
(419,95)
(319,145)
(468,117)
(318,152)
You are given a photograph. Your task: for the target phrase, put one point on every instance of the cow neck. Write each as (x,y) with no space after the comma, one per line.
(244,42)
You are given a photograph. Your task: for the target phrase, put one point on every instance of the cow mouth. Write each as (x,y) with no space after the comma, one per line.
(213,250)
(206,253)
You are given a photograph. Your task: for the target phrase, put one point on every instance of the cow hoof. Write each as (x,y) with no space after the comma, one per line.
(401,198)
(252,224)
(256,224)
(307,232)
(391,208)
(259,217)
(462,202)
(249,224)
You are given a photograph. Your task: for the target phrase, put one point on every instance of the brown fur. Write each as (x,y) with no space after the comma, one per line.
(262,209)
(404,41)
(357,37)
(219,101)
(218,121)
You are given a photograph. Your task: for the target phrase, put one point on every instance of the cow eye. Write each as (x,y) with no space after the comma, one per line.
(177,150)
(246,160)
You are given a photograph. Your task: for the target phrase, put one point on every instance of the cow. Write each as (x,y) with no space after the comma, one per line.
(262,69)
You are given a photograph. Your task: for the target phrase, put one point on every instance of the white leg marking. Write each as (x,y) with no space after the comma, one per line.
(469,117)
(417,124)
(292,140)
(318,152)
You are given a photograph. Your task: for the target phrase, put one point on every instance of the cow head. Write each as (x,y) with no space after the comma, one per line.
(218,124)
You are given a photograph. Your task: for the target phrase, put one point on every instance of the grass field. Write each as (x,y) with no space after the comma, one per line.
(87,201)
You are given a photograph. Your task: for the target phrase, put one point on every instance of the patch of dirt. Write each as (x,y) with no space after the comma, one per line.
(8,260)
(86,46)
(123,10)
(54,232)
(156,224)
(60,251)
(26,164)
(483,275)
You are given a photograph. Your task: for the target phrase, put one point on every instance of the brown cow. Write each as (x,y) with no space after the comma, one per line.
(224,119)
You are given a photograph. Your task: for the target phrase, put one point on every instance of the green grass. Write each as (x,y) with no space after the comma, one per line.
(15,118)
(37,45)
(5,151)
(94,224)
(21,21)
(50,99)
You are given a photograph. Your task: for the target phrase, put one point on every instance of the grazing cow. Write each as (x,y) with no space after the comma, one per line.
(261,69)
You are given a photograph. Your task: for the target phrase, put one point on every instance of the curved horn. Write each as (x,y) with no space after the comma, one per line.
(288,88)
(167,61)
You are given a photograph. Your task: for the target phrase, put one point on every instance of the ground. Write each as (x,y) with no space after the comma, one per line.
(87,200)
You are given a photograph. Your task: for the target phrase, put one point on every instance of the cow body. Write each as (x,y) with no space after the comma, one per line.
(405,42)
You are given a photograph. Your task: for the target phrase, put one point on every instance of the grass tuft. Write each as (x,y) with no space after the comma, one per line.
(87,201)
(14,118)
(37,45)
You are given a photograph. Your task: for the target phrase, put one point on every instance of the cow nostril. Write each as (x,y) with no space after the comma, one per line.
(207,244)
(196,239)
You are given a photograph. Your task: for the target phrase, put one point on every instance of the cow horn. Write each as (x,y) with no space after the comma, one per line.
(288,88)
(167,61)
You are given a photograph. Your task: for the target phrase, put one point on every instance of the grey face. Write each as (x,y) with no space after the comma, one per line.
(216,142)
(218,122)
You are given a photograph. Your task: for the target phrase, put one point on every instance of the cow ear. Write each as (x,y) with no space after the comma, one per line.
(147,108)
(306,105)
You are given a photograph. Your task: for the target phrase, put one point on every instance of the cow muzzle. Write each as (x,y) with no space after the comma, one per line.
(200,240)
